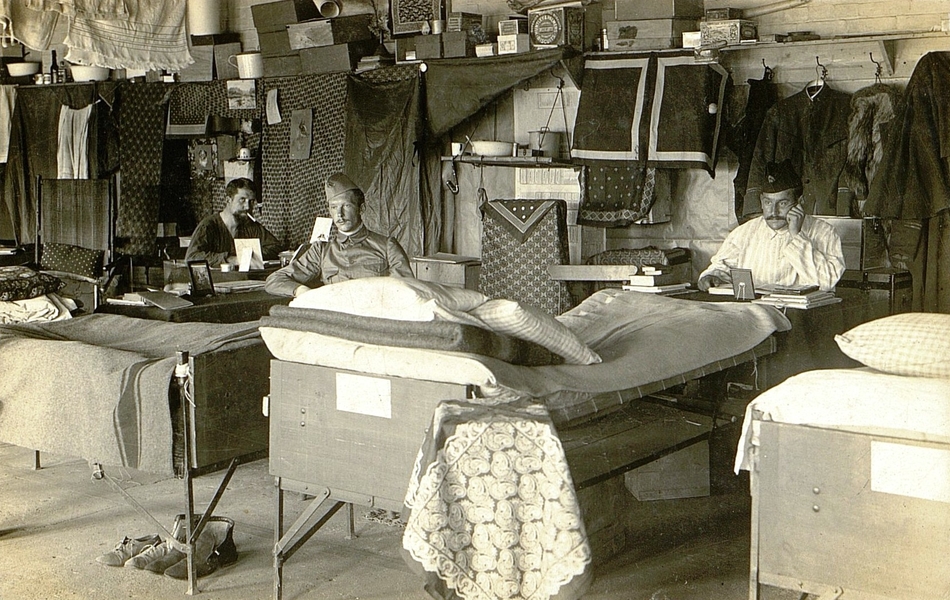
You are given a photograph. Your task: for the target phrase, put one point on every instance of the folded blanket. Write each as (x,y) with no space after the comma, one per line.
(431,335)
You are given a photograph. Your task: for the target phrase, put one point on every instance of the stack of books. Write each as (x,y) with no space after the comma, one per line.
(654,280)
(798,300)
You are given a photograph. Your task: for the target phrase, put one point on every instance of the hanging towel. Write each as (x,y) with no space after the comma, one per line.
(152,37)
(7,102)
(33,28)
(93,9)
(72,156)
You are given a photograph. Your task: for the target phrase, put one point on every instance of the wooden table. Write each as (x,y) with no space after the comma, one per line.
(234,307)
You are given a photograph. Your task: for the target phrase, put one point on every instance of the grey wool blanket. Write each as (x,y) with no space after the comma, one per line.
(98,386)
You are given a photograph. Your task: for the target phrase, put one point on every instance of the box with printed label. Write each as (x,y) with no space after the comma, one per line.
(512,26)
(732,32)
(514,44)
(462,21)
(326,32)
(565,26)
(723,14)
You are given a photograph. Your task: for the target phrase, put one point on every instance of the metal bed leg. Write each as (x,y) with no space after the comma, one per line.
(350,522)
(302,530)
(36,460)
(278,533)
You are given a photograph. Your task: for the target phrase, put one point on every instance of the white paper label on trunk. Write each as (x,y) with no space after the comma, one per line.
(914,471)
(363,395)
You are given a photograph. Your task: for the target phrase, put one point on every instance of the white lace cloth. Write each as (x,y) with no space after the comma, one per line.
(493,512)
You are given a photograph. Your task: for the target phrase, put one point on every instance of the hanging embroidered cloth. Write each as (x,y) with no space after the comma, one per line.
(493,511)
(520,238)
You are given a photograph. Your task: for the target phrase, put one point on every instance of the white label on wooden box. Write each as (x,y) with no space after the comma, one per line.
(363,395)
(915,471)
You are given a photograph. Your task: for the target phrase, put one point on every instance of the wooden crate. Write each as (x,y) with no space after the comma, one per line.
(350,432)
(336,58)
(831,509)
(683,474)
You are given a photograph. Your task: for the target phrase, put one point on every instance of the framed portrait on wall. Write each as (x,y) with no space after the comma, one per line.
(201,282)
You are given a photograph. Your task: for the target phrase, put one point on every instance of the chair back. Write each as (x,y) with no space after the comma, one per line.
(77,212)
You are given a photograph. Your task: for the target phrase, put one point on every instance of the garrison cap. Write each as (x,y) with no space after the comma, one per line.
(780,177)
(339,183)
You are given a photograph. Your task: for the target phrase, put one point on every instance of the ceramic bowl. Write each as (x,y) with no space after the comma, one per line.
(89,73)
(23,69)
(492,148)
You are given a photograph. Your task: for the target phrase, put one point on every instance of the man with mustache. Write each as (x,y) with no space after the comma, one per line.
(353,252)
(213,238)
(782,247)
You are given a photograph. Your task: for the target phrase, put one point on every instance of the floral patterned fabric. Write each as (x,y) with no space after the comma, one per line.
(492,508)
(23,283)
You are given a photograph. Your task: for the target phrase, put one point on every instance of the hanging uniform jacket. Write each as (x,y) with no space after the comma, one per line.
(913,180)
(813,134)
(763,94)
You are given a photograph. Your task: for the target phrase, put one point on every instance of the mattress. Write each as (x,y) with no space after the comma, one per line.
(641,338)
(860,400)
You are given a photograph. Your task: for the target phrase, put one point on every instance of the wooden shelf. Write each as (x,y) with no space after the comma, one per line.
(510,161)
(885,43)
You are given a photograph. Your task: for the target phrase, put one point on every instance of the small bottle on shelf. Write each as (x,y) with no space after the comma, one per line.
(53,68)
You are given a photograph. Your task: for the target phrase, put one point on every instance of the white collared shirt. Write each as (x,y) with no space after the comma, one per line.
(813,256)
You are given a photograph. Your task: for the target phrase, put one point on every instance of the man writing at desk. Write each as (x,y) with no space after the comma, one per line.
(782,247)
(354,252)
(213,239)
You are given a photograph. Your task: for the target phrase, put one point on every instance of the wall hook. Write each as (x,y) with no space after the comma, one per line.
(877,68)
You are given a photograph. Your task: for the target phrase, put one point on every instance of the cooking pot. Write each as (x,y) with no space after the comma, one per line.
(546,141)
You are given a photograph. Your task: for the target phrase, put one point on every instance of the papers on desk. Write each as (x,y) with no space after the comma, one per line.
(721,290)
(803,301)
(164,300)
(246,285)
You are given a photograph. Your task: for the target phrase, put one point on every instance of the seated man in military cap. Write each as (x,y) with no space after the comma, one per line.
(784,246)
(353,252)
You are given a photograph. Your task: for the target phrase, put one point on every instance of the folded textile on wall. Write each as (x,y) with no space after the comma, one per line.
(659,110)
(638,114)
(152,37)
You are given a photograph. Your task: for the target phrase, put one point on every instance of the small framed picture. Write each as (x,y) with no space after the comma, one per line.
(742,285)
(201,284)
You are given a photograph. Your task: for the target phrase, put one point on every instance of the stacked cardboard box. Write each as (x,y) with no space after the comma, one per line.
(271,20)
(211,53)
(648,34)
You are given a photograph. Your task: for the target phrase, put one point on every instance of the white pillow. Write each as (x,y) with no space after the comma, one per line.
(535,325)
(401,299)
(913,344)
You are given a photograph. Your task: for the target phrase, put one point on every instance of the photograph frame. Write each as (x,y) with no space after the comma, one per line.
(201,283)
(742,285)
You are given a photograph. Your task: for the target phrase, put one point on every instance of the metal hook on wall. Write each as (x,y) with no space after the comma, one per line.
(820,69)
(768,73)
(877,68)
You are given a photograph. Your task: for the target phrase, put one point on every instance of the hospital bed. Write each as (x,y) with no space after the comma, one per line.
(850,477)
(121,392)
(348,414)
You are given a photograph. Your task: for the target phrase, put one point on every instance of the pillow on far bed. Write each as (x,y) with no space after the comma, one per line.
(912,344)
(22,283)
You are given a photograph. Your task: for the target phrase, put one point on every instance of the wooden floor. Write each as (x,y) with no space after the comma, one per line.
(54,522)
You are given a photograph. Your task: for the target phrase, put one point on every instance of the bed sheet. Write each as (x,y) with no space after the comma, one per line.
(641,339)
(97,386)
(861,400)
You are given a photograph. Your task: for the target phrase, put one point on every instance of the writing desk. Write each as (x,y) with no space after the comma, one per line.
(810,344)
(234,307)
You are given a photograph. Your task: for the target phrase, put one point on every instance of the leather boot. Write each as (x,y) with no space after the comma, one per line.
(214,548)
